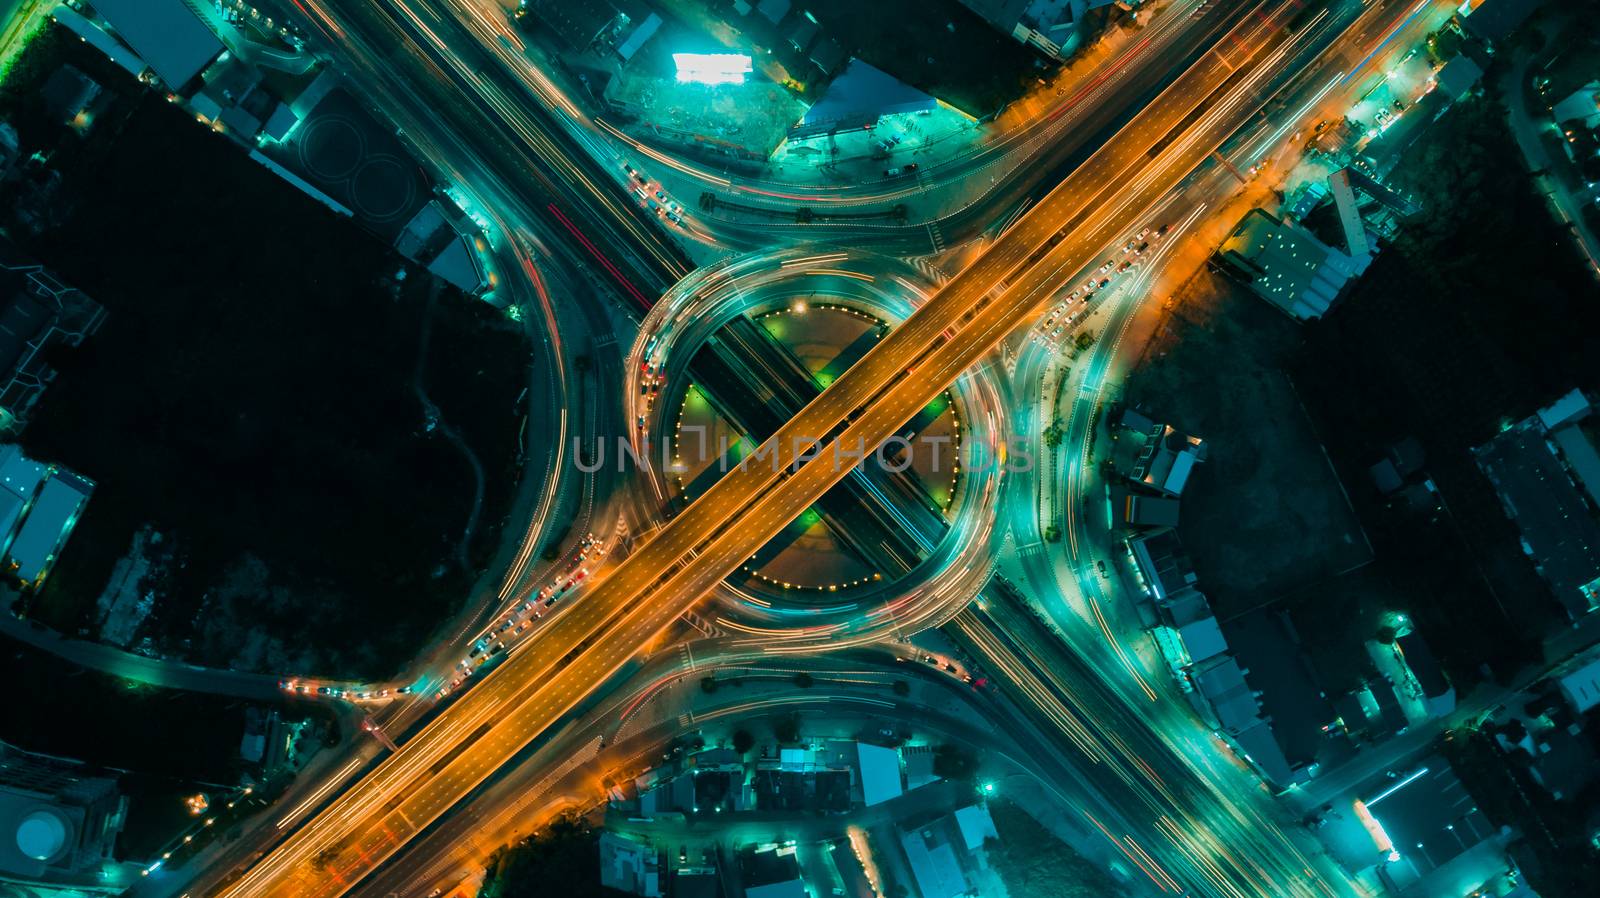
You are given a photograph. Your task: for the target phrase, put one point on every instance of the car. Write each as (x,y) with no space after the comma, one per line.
(1106,267)
(1125,266)
(1057,331)
(1128,247)
(1104,281)
(1142,234)
(524,625)
(909,167)
(1141,247)
(890,172)
(403,690)
(1162,231)
(1074,294)
(323,690)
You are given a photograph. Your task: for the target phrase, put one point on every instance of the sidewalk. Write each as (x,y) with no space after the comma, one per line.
(150,671)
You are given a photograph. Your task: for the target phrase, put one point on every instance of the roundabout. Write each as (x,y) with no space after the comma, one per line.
(898,546)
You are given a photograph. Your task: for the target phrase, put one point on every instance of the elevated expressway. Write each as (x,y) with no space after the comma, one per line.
(632,606)
(930,564)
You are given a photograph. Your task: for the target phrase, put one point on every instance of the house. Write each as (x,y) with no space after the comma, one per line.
(1167,462)
(629,865)
(944,853)
(69,97)
(1162,565)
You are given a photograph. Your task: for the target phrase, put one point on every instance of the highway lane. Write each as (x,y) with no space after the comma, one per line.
(644,594)
(972,187)
(548,183)
(938,708)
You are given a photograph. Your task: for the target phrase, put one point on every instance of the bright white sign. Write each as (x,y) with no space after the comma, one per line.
(712,68)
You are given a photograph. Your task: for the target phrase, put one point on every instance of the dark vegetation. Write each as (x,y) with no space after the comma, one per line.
(250,396)
(1557,834)
(566,853)
(1480,314)
(1032,861)
(61,709)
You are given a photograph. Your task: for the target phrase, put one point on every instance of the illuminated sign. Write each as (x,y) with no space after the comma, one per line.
(711,68)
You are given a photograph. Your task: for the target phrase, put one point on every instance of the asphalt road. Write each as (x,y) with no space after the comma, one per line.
(641,596)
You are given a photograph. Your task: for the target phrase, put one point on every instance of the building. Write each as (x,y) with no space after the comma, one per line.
(944,854)
(1458,76)
(629,865)
(1421,821)
(1580,687)
(445,241)
(69,97)
(59,821)
(46,526)
(771,871)
(94,36)
(37,314)
(1155,457)
(857,99)
(1286,265)
(880,773)
(166,34)
(1162,564)
(1053,26)
(1536,466)
(1399,462)
(1167,461)
(20,478)
(1132,509)
(1494,20)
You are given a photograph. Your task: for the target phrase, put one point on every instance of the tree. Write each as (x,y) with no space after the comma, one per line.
(1052,533)
(708,685)
(743,741)
(901,687)
(954,762)
(787,728)
(803,680)
(1052,434)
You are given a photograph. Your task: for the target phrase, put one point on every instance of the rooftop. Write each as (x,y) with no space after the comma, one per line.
(1558,530)
(166,33)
